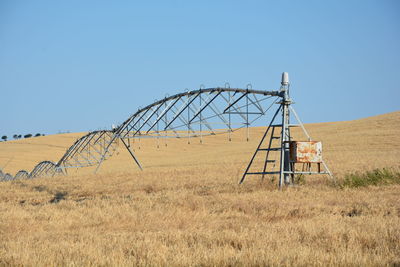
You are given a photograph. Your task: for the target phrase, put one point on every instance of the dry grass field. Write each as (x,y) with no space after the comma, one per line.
(186,208)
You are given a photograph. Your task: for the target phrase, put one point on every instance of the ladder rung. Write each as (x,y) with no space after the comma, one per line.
(270,160)
(270,149)
(275,137)
(262,173)
(290,125)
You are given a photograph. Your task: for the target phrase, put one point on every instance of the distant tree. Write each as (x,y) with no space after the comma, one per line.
(43,134)
(4,137)
(27,135)
(38,134)
(15,136)
(19,136)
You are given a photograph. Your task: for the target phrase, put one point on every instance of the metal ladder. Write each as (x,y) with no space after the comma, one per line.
(268,150)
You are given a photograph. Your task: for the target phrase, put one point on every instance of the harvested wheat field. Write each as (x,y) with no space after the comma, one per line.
(187,209)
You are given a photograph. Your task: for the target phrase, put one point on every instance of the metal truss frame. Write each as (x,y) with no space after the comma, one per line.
(89,150)
(21,174)
(286,167)
(6,177)
(45,168)
(197,113)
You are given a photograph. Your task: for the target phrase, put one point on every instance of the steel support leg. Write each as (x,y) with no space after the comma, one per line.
(133,156)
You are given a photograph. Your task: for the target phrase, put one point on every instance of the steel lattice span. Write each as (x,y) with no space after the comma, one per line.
(191,114)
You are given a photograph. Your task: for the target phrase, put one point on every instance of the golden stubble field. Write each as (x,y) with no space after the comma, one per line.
(186,209)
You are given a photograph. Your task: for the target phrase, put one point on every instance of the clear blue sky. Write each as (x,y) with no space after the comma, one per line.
(84,65)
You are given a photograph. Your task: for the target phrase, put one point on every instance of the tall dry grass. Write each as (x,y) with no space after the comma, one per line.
(178,218)
(186,208)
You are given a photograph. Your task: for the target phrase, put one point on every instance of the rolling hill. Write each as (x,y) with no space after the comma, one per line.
(186,209)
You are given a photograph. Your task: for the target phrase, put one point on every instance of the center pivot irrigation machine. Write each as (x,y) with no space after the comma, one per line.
(198,113)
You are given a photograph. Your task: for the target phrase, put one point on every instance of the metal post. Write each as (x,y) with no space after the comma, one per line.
(158,132)
(229,118)
(247,115)
(285,134)
(282,159)
(132,155)
(201,119)
(286,143)
(188,120)
(139,132)
(166,121)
